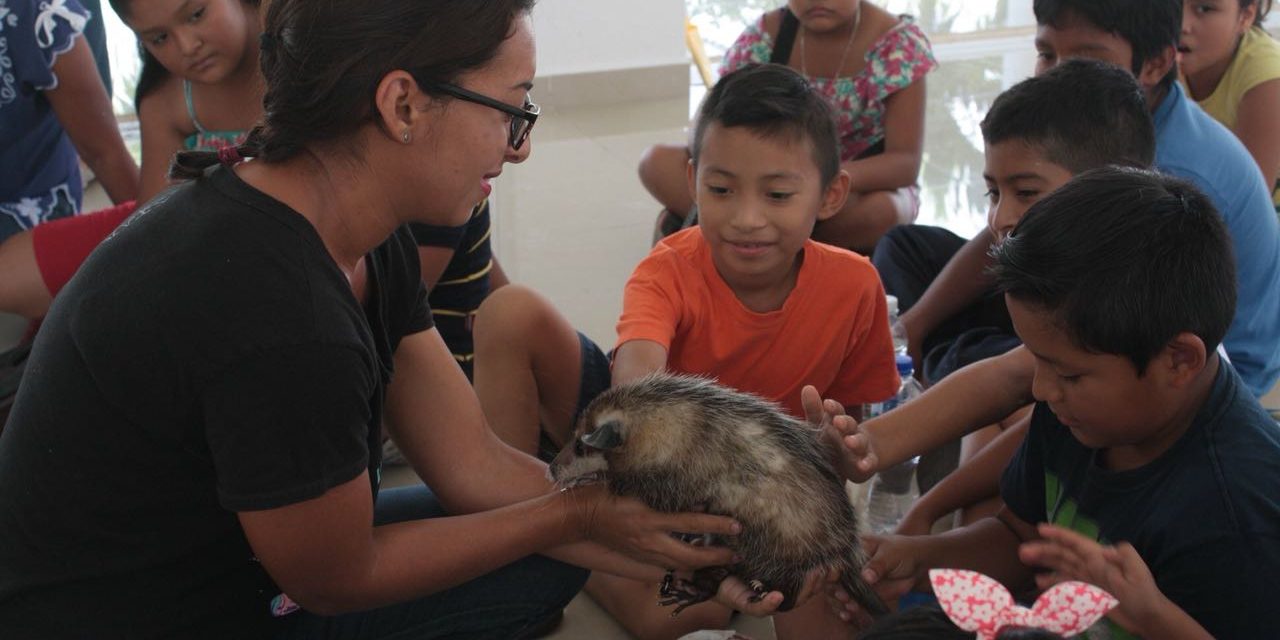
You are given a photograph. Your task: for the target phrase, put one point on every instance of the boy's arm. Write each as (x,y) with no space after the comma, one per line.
(977,395)
(974,481)
(1120,571)
(637,358)
(962,281)
(899,564)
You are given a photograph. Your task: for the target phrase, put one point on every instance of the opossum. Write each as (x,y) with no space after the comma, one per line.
(682,443)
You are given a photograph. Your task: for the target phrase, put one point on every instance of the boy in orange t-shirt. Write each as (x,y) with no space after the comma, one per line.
(746,298)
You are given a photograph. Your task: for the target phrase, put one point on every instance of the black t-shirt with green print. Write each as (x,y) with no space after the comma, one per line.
(1204,516)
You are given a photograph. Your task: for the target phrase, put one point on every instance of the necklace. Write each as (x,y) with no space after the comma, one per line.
(857,21)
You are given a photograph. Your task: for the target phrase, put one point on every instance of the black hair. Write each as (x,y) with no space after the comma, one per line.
(772,100)
(930,623)
(1264,7)
(1082,114)
(1149,26)
(152,73)
(1123,260)
(323,61)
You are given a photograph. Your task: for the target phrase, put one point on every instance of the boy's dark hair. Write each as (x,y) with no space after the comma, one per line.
(152,73)
(1149,26)
(1082,114)
(1124,260)
(928,622)
(772,101)
(322,62)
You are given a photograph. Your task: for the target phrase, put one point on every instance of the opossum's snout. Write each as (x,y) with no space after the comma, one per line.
(579,463)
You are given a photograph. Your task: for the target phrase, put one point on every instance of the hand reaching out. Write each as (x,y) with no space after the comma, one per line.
(853,457)
(1117,569)
(892,570)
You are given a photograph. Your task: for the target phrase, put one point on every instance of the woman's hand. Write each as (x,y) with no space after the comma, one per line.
(736,594)
(630,527)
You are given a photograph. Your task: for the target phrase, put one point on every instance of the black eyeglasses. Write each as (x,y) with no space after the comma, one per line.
(522,119)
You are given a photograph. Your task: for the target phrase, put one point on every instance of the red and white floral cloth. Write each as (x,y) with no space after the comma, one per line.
(975,602)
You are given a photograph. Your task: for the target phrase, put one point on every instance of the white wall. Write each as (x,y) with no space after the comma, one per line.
(583,36)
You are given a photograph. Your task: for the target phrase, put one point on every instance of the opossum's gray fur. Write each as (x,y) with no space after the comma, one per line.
(679,443)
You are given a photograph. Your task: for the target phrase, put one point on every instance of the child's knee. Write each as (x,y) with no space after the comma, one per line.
(661,164)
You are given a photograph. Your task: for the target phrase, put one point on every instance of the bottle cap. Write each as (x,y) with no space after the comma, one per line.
(906,366)
(892,302)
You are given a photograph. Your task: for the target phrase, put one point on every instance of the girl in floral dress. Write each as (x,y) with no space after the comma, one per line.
(872,65)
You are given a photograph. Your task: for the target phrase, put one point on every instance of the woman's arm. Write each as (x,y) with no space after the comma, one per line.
(84,110)
(1256,128)
(325,553)
(161,138)
(899,165)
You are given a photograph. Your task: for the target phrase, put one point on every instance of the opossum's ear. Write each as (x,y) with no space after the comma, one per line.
(605,436)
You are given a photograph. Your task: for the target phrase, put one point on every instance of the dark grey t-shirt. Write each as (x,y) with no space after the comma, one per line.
(1204,516)
(208,358)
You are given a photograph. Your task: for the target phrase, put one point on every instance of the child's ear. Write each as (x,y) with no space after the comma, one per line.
(834,197)
(1156,68)
(1184,357)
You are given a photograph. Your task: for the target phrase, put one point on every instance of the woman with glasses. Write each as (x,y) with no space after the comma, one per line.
(194,450)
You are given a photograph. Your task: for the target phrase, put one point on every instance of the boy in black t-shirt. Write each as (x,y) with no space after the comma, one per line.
(1149,470)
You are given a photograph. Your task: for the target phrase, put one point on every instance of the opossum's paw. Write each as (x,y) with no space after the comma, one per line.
(686,593)
(758,588)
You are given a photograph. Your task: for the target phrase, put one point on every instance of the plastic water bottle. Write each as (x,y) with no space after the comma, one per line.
(893,490)
(896,329)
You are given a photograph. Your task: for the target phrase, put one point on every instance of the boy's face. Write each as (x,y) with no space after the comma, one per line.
(1075,37)
(1098,396)
(1018,175)
(758,199)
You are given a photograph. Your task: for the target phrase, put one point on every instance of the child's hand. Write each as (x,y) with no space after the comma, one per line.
(892,570)
(837,429)
(1118,570)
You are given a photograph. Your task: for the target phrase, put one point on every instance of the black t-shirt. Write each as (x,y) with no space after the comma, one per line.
(208,358)
(1205,516)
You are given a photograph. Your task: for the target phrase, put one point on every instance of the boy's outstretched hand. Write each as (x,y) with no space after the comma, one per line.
(892,570)
(854,458)
(1117,569)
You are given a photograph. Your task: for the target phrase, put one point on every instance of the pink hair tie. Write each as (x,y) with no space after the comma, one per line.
(229,155)
(975,602)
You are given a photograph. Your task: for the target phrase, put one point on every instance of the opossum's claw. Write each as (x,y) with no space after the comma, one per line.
(686,593)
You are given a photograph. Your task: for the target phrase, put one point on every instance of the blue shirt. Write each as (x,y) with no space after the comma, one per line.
(39,171)
(1190,144)
(1204,516)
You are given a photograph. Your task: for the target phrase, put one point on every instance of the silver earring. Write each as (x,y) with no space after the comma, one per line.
(405,136)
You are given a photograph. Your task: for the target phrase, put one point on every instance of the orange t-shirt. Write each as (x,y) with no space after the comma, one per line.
(832,332)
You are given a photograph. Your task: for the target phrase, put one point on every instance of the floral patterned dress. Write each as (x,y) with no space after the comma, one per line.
(898,58)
